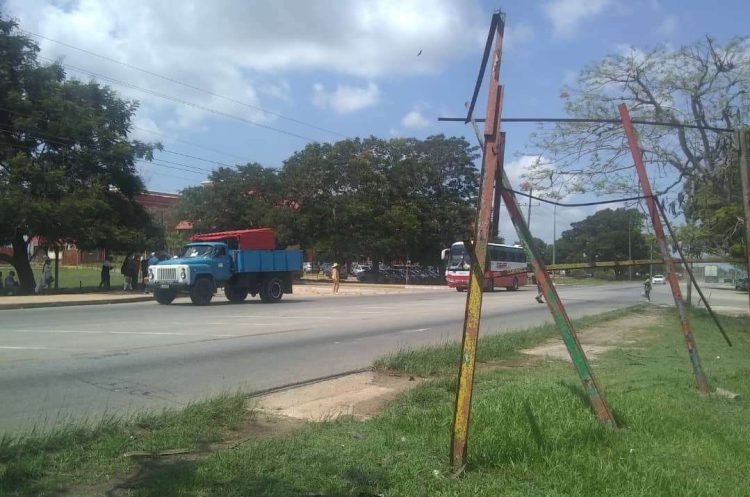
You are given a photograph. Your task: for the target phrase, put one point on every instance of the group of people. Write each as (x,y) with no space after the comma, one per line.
(134,269)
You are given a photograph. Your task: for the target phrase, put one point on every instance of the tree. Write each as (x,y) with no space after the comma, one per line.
(607,235)
(396,199)
(707,84)
(67,168)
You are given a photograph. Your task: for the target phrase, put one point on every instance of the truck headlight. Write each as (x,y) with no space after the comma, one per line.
(182,274)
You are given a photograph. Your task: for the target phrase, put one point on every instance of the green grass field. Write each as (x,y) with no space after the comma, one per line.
(532,433)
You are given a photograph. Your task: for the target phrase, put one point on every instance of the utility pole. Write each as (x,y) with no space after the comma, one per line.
(630,249)
(744,139)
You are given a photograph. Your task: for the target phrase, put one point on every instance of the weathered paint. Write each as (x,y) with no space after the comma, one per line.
(635,150)
(482,224)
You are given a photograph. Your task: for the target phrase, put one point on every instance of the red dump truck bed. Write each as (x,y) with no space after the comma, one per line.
(250,239)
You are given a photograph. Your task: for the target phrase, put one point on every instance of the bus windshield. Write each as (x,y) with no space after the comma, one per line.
(458,256)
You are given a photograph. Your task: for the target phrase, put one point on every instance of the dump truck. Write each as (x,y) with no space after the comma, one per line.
(241,262)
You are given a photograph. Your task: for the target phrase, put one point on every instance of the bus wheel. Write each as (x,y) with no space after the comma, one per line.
(514,287)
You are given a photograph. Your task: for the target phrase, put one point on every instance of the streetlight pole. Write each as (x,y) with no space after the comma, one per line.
(554,232)
(630,249)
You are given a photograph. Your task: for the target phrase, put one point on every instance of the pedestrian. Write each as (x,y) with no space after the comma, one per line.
(144,273)
(336,277)
(135,269)
(647,288)
(46,278)
(11,285)
(106,268)
(125,270)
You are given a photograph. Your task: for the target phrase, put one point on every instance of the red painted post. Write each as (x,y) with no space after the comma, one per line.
(635,150)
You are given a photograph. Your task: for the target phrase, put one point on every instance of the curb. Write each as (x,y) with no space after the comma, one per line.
(37,305)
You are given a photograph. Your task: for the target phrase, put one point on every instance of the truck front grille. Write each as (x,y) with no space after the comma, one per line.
(166,274)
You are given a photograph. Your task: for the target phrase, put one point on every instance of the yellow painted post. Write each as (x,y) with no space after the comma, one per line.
(479,253)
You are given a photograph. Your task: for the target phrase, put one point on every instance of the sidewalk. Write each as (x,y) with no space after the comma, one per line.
(60,300)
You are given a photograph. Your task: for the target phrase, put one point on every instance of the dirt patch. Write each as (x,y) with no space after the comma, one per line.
(360,395)
(597,340)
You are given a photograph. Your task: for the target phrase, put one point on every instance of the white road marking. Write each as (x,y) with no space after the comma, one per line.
(8,347)
(418,330)
(97,332)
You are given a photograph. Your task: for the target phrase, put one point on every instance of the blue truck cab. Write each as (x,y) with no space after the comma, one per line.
(205,266)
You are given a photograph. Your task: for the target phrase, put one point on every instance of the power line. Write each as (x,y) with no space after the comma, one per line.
(179,100)
(59,140)
(592,121)
(191,143)
(187,85)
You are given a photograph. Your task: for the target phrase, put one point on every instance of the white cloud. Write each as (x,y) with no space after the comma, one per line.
(248,50)
(414,120)
(345,99)
(668,26)
(566,16)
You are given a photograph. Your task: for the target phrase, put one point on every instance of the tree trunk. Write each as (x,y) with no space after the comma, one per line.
(22,265)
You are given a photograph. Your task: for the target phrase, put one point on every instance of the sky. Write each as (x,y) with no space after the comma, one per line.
(234,81)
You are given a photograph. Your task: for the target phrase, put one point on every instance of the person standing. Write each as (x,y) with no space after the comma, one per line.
(647,288)
(11,285)
(135,269)
(106,268)
(46,277)
(125,270)
(336,277)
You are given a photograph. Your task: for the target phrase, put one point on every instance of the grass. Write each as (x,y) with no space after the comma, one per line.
(48,463)
(443,358)
(532,434)
(76,278)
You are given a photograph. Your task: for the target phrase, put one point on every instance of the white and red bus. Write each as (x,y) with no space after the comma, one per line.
(500,258)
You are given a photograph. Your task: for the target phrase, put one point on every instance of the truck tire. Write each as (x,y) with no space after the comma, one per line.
(271,290)
(202,292)
(164,297)
(234,294)
(514,286)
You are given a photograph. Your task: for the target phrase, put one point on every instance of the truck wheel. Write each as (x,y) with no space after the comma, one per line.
(164,297)
(234,294)
(272,290)
(202,292)
(513,287)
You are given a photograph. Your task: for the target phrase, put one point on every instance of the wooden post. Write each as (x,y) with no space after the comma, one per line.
(478,251)
(635,150)
(744,141)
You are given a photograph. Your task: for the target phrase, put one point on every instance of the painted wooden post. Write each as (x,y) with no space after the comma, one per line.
(635,150)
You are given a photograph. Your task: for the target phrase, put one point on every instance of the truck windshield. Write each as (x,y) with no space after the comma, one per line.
(197,251)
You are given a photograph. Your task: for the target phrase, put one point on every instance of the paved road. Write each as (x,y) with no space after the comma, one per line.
(85,361)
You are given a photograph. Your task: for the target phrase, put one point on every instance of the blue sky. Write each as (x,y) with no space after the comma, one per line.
(347,66)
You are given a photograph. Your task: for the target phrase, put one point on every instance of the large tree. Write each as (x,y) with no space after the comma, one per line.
(705,84)
(384,199)
(67,167)
(607,235)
